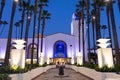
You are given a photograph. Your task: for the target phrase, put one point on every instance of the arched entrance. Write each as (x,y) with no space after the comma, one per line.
(30,52)
(60,52)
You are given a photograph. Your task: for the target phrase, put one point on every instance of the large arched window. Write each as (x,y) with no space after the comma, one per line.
(30,51)
(60,49)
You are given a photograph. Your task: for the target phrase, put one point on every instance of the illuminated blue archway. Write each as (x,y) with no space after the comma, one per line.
(60,49)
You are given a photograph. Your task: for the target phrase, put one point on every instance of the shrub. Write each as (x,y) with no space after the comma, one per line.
(4,77)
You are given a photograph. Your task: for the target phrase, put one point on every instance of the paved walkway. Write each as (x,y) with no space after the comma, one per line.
(69,74)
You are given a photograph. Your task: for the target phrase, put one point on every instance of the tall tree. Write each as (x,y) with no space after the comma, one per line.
(42,3)
(78,14)
(8,48)
(28,21)
(114,32)
(45,15)
(108,22)
(98,6)
(80,8)
(33,43)
(23,6)
(93,29)
(88,25)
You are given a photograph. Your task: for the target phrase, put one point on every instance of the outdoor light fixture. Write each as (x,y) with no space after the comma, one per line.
(79,58)
(48,60)
(16,0)
(18,54)
(105,57)
(41,62)
(29,17)
(93,17)
(103,43)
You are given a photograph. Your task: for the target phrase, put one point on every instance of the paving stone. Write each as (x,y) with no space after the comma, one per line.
(69,74)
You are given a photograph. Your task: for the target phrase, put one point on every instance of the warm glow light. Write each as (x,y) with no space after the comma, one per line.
(48,60)
(16,0)
(41,62)
(29,17)
(105,57)
(17,58)
(93,17)
(107,0)
(79,58)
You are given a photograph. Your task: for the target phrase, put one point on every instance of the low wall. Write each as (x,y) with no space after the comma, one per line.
(94,74)
(31,74)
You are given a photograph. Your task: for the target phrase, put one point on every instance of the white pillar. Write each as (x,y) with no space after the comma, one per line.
(105,54)
(18,54)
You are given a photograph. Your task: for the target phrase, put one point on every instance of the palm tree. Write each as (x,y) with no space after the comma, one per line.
(108,22)
(23,6)
(93,29)
(2,7)
(29,15)
(114,32)
(80,8)
(98,6)
(8,48)
(35,12)
(88,25)
(28,20)
(78,14)
(45,15)
(41,5)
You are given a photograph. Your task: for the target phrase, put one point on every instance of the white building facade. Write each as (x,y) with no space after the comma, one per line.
(56,47)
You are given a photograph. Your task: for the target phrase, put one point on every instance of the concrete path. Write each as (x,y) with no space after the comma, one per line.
(69,74)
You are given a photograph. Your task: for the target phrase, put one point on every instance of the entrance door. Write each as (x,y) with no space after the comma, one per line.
(60,51)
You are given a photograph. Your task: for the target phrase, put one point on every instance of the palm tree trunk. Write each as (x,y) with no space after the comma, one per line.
(39,20)
(109,30)
(35,12)
(88,25)
(115,34)
(93,27)
(43,26)
(83,34)
(22,25)
(7,55)
(79,34)
(29,15)
(98,23)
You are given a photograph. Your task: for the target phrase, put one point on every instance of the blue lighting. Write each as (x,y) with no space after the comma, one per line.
(60,50)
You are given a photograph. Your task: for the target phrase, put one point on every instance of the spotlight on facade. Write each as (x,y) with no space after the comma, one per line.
(18,54)
(105,57)
(41,58)
(79,58)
